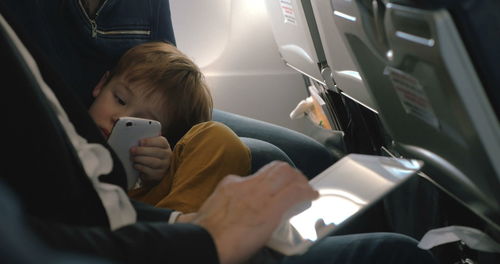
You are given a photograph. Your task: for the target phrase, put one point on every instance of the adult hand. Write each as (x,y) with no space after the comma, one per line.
(152,159)
(242,212)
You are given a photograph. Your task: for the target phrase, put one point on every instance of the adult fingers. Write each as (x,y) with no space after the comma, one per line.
(280,175)
(289,199)
(277,175)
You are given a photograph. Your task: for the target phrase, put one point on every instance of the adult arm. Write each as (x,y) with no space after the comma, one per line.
(235,221)
(143,242)
(242,212)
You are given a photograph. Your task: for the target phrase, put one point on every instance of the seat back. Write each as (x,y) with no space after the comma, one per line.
(309,42)
(297,37)
(429,94)
(343,70)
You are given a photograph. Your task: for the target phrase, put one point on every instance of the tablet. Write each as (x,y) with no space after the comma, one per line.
(346,188)
(126,133)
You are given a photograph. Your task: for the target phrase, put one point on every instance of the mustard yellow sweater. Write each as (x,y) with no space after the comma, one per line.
(200,160)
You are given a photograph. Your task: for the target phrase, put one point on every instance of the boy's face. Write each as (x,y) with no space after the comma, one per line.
(116,99)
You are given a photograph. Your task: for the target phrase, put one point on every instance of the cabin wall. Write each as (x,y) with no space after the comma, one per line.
(232,42)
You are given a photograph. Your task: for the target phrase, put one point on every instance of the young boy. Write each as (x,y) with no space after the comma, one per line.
(156,81)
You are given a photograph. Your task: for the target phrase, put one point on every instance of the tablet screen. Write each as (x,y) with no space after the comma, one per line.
(350,185)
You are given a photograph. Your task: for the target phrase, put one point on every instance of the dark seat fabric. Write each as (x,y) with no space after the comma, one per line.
(478,25)
(450,124)
(19,245)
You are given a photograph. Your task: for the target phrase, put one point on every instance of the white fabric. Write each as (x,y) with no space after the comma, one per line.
(472,237)
(173,217)
(95,159)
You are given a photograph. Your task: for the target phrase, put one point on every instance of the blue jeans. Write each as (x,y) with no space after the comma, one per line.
(383,248)
(367,248)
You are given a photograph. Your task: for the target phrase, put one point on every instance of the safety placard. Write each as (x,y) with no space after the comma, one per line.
(412,96)
(288,12)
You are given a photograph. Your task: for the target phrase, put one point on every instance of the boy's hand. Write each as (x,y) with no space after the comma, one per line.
(152,159)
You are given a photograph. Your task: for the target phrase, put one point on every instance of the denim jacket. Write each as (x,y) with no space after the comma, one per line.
(81,49)
(117,26)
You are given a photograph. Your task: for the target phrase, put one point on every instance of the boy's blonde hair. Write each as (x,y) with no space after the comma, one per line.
(162,70)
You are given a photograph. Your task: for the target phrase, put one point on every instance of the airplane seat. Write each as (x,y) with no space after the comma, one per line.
(18,244)
(309,44)
(478,26)
(357,100)
(299,45)
(298,42)
(343,70)
(430,68)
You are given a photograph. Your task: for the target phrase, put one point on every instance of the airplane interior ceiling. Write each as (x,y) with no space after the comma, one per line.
(232,42)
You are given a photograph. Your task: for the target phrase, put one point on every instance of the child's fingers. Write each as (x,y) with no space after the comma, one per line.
(148,174)
(156,152)
(151,158)
(150,162)
(159,142)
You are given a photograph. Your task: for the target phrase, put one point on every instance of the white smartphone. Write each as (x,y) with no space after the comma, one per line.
(347,188)
(127,133)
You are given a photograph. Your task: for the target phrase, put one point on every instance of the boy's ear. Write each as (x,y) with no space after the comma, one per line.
(100,85)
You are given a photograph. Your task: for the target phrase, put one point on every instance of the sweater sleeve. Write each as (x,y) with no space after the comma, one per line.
(142,242)
(149,213)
